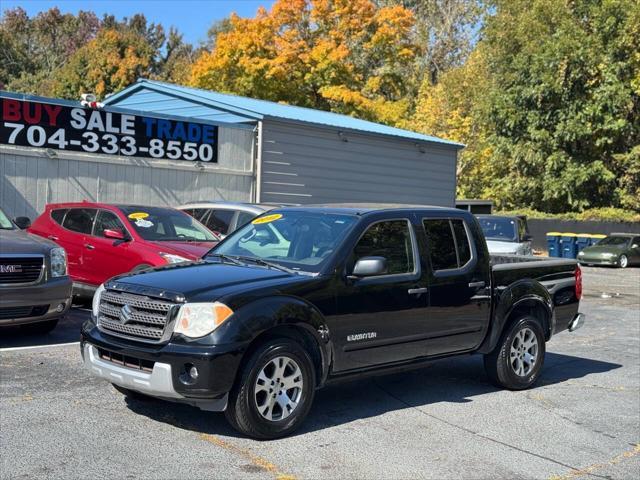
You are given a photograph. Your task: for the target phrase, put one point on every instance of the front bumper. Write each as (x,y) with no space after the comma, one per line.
(165,376)
(613,261)
(46,297)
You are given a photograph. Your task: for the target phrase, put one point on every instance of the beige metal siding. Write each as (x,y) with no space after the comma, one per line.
(302,165)
(29,179)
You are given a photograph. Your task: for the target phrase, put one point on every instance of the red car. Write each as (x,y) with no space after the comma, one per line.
(105,240)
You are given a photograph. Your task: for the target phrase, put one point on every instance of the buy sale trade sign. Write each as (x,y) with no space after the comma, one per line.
(45,125)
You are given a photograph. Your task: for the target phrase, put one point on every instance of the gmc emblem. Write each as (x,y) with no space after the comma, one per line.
(10,268)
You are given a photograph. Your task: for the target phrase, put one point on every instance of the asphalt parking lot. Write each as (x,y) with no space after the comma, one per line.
(444,421)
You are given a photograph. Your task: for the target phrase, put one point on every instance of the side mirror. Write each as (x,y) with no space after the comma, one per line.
(22,222)
(635,245)
(114,234)
(369,267)
(527,238)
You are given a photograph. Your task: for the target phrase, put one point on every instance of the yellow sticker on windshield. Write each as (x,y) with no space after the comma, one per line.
(267,219)
(138,215)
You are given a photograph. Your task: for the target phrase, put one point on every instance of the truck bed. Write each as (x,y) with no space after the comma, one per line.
(557,275)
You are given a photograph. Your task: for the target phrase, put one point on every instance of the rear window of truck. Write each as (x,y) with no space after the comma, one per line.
(448,242)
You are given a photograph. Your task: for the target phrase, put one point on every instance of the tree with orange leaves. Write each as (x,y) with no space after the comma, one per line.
(348,56)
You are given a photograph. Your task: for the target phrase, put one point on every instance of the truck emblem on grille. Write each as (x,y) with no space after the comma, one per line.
(125,315)
(10,268)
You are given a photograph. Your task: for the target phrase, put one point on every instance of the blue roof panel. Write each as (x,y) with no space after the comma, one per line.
(257,109)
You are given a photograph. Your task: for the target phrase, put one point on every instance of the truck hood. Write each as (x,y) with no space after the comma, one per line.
(201,281)
(22,242)
(497,246)
(190,250)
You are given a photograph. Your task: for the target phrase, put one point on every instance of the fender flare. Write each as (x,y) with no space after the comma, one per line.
(526,293)
(275,314)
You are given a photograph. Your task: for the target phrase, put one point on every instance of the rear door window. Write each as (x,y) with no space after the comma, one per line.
(199,214)
(448,241)
(79,220)
(391,240)
(220,220)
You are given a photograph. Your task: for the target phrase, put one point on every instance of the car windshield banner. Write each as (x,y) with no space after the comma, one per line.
(45,125)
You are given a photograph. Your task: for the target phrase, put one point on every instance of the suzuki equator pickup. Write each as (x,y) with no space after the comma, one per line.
(303,296)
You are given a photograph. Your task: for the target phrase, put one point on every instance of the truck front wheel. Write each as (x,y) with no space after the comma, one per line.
(517,360)
(274,392)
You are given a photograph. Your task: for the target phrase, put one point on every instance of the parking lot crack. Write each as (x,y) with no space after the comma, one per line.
(477,434)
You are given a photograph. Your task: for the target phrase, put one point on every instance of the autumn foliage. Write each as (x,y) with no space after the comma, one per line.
(343,55)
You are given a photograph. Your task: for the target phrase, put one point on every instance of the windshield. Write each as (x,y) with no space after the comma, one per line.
(166,225)
(299,240)
(499,228)
(5,223)
(614,241)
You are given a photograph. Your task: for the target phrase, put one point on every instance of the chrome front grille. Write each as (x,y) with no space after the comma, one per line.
(21,270)
(137,317)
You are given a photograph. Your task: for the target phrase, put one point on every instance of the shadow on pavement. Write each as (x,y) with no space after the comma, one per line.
(450,380)
(67,331)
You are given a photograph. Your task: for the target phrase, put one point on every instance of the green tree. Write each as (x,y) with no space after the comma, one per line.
(32,48)
(564,103)
(108,63)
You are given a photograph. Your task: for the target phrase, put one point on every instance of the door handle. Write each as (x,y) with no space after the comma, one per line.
(416,291)
(52,237)
(89,246)
(476,284)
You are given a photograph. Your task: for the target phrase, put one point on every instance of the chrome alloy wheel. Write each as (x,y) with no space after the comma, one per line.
(278,388)
(624,261)
(524,352)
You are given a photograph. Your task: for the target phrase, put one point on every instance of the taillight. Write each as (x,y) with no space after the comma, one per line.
(578,275)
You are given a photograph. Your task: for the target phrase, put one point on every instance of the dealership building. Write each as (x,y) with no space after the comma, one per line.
(161,144)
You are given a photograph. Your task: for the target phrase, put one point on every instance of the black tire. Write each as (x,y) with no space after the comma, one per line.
(42,328)
(623,262)
(242,411)
(499,365)
(132,394)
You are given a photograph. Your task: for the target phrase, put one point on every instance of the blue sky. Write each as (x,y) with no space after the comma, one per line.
(192,17)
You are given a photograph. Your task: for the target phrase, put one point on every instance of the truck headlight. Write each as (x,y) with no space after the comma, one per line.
(95,304)
(58,262)
(199,319)
(171,258)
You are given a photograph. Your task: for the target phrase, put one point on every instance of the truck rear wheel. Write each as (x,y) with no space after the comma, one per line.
(517,360)
(274,392)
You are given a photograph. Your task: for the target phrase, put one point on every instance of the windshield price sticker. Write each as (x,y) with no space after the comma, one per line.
(267,219)
(138,215)
(44,125)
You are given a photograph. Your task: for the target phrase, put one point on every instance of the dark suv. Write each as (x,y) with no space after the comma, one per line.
(34,285)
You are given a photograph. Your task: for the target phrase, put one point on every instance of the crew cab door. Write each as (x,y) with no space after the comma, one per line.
(76,227)
(106,257)
(381,319)
(459,285)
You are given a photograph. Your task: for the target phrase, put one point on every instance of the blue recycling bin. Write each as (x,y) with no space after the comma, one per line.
(583,240)
(553,244)
(568,245)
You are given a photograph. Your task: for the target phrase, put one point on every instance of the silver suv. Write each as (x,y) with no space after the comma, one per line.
(223,218)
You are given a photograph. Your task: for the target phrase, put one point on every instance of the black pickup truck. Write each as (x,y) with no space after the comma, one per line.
(303,296)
